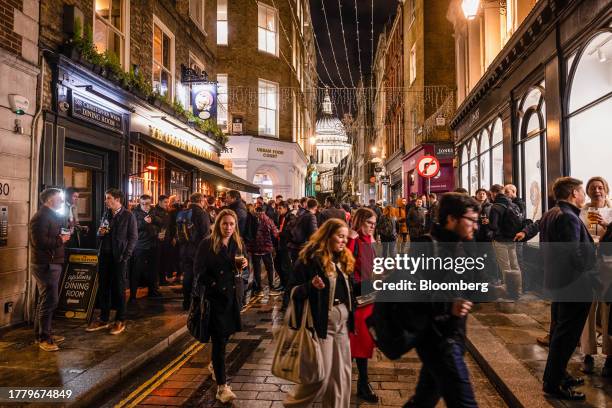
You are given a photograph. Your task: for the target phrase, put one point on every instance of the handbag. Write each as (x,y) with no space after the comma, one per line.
(298,357)
(199,317)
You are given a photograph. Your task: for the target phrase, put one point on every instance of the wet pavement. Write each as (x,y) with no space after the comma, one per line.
(517,329)
(87,363)
(186,381)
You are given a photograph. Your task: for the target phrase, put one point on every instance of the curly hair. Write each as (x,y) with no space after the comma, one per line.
(318,247)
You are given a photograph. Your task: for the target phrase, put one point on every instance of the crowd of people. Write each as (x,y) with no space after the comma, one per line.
(217,245)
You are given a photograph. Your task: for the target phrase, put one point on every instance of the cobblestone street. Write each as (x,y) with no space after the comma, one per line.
(250,354)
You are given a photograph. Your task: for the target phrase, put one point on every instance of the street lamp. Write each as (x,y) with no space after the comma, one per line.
(374,149)
(148,167)
(470,8)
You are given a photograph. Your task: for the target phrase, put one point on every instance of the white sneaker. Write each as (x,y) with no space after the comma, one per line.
(212,371)
(225,394)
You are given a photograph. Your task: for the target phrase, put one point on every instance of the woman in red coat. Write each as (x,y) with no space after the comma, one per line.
(362,346)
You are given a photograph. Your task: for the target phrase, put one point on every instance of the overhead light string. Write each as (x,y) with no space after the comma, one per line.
(348,64)
(331,44)
(358,44)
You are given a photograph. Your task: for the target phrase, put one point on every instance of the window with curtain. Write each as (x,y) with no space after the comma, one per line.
(530,146)
(589,108)
(222,19)
(268,108)
(163,53)
(267,31)
(109,30)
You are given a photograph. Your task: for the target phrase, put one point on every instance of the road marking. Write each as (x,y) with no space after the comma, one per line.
(162,375)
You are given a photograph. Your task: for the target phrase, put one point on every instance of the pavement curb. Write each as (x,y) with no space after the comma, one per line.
(515,383)
(89,387)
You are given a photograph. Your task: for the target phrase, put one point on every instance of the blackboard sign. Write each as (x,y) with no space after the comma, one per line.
(79,285)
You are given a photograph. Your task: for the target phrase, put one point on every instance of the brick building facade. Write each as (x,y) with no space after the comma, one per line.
(269,63)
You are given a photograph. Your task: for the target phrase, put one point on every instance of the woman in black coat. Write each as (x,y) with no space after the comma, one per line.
(219,261)
(323,276)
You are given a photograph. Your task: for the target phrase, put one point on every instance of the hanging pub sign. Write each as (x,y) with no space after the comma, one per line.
(204,100)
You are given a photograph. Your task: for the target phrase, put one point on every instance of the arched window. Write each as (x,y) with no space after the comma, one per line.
(530,146)
(465,173)
(482,158)
(590,108)
(473,166)
(497,152)
(485,160)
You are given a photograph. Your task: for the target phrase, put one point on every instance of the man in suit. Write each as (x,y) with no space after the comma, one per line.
(569,257)
(118,234)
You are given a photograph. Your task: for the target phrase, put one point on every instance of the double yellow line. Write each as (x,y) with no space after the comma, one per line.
(162,375)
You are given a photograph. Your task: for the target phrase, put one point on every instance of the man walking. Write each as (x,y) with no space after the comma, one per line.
(193,225)
(143,260)
(164,241)
(331,211)
(305,226)
(119,234)
(261,249)
(48,242)
(566,269)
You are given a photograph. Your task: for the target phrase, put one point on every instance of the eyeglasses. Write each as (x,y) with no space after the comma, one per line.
(370,223)
(470,218)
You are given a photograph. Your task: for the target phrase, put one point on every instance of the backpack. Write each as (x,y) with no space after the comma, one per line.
(512,220)
(385,227)
(297,232)
(185,226)
(252,225)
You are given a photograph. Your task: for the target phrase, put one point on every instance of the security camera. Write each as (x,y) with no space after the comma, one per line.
(19,104)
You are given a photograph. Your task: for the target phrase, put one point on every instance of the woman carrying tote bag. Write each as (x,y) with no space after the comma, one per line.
(218,263)
(323,276)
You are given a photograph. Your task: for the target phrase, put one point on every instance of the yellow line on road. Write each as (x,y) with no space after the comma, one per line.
(162,375)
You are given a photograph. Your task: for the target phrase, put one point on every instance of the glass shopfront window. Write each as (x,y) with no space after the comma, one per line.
(180,182)
(143,180)
(589,108)
(530,146)
(482,162)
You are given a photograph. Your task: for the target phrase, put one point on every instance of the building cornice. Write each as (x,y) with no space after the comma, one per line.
(532,31)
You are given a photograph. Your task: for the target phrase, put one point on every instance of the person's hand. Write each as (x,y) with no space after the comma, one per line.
(65,238)
(519,236)
(148,219)
(102,231)
(318,283)
(245,263)
(598,219)
(461,307)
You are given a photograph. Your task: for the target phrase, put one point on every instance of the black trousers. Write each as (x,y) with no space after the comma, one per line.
(282,264)
(187,257)
(111,290)
(269,264)
(569,321)
(143,267)
(443,375)
(219,344)
(47,282)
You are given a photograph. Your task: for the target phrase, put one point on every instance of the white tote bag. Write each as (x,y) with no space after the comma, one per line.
(298,357)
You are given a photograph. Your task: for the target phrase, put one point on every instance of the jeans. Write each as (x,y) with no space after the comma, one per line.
(443,374)
(218,358)
(269,264)
(389,249)
(112,287)
(47,282)
(142,265)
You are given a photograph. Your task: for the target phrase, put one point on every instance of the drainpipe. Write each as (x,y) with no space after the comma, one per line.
(34,153)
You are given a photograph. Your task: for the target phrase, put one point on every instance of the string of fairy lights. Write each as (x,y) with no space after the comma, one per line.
(358,44)
(331,43)
(344,42)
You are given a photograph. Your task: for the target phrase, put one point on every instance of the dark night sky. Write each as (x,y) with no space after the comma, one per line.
(384,10)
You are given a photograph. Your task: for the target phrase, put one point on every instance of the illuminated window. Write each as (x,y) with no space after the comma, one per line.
(222,105)
(222,22)
(109,30)
(196,12)
(267,30)
(163,56)
(413,64)
(268,108)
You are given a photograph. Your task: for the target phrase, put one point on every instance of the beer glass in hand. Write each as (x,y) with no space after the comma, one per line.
(239,260)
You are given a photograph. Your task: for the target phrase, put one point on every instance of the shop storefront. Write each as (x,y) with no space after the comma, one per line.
(441,183)
(395,187)
(85,139)
(278,168)
(549,114)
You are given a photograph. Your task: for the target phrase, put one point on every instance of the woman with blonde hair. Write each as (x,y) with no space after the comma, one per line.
(218,264)
(322,275)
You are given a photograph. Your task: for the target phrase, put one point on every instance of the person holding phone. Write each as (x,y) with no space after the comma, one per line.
(48,237)
(219,261)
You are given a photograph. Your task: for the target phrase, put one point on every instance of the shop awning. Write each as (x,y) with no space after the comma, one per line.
(214,173)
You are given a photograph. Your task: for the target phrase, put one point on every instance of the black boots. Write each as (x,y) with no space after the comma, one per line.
(366,393)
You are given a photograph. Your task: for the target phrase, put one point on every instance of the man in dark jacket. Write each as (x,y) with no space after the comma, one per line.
(512,193)
(306,226)
(282,261)
(119,234)
(568,259)
(47,259)
(164,241)
(331,211)
(261,248)
(443,345)
(198,230)
(235,203)
(146,250)
(502,233)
